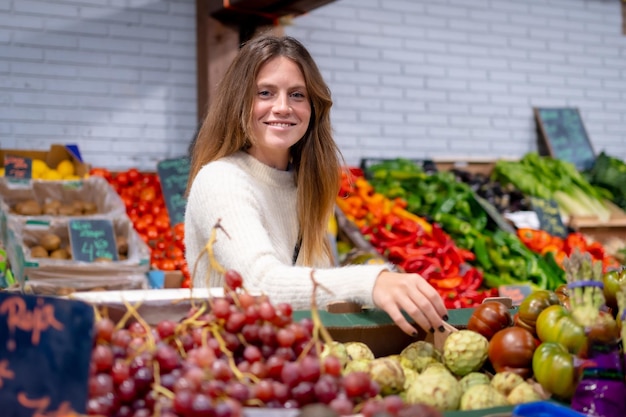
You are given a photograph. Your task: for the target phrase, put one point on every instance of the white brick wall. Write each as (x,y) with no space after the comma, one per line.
(116,77)
(416,78)
(459,78)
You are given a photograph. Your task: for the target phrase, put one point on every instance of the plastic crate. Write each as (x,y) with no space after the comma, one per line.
(544,409)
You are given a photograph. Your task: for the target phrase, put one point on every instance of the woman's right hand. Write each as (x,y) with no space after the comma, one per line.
(395,292)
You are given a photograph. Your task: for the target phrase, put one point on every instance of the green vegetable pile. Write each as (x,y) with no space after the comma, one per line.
(441,198)
(554,179)
(609,173)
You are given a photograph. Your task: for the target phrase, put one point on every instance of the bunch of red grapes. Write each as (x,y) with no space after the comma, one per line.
(240,351)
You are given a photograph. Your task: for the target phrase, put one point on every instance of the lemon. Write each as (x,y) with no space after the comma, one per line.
(65,168)
(52,174)
(39,168)
(1,172)
(72,178)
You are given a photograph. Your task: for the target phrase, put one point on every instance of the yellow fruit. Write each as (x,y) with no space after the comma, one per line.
(65,168)
(39,168)
(1,172)
(72,178)
(52,174)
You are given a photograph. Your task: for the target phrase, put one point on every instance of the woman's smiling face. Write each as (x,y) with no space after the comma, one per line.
(281,111)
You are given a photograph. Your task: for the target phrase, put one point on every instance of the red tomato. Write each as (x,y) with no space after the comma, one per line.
(152,232)
(167,265)
(512,349)
(158,209)
(490,317)
(101,172)
(143,207)
(179,231)
(121,179)
(162,222)
(133,175)
(148,194)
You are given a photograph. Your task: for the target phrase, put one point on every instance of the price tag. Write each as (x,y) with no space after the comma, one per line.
(92,240)
(173,175)
(549,216)
(18,167)
(564,134)
(516,293)
(45,350)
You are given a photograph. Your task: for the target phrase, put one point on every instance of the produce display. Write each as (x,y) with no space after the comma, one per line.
(229,353)
(145,206)
(554,179)
(55,207)
(501,256)
(609,173)
(541,242)
(412,243)
(64,170)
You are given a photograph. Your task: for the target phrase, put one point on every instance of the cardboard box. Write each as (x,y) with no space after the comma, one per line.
(59,277)
(51,157)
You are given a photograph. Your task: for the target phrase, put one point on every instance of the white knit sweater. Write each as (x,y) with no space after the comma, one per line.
(256,206)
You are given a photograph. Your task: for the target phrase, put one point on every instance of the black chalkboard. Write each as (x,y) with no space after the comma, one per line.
(92,240)
(549,216)
(45,351)
(173,175)
(564,137)
(18,167)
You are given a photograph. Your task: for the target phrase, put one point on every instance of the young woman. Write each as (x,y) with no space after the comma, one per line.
(265,166)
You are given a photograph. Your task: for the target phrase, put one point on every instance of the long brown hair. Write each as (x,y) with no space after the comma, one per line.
(316,158)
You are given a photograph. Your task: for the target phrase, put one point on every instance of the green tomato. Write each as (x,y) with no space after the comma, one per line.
(532,306)
(555,324)
(613,280)
(553,367)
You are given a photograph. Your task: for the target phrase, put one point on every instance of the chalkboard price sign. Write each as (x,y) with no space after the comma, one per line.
(549,216)
(45,350)
(564,134)
(92,240)
(173,175)
(18,167)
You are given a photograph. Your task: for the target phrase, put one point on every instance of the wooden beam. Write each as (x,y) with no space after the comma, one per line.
(217,45)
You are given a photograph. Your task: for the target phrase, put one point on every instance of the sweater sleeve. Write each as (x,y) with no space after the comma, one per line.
(221,193)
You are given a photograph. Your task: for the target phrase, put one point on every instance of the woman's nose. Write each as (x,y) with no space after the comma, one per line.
(282,104)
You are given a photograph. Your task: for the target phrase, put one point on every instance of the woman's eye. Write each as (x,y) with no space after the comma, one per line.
(264,93)
(297,95)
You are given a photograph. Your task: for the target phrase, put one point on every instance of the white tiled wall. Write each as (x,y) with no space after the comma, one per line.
(412,78)
(459,78)
(116,77)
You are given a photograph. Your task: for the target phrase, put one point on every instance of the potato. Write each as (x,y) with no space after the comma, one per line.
(67,210)
(89,208)
(122,245)
(28,208)
(38,252)
(50,242)
(103,259)
(51,208)
(60,253)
